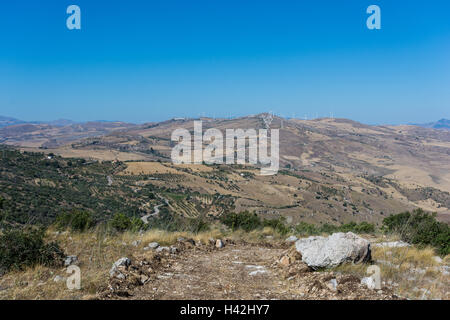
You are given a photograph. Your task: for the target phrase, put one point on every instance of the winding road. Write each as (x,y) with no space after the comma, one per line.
(155,212)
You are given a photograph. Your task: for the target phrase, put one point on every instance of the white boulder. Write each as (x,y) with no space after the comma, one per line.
(322,252)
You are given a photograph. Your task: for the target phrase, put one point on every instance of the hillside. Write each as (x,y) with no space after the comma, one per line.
(331,170)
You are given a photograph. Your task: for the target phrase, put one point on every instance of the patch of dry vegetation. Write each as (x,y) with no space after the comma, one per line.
(415,273)
(96,251)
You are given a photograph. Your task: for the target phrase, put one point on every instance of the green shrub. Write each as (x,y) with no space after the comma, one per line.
(22,248)
(76,220)
(120,222)
(278,225)
(420,228)
(197,225)
(363,227)
(328,228)
(137,224)
(245,220)
(172,222)
(304,228)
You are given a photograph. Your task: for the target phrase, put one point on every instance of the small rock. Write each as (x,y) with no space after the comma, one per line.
(332,284)
(121,263)
(59,279)
(173,249)
(369,282)
(285,261)
(153,245)
(445,270)
(136,243)
(180,239)
(143,278)
(70,260)
(219,243)
(437,259)
(161,249)
(120,276)
(292,239)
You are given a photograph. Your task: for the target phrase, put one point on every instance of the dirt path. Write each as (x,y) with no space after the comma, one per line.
(246,271)
(234,272)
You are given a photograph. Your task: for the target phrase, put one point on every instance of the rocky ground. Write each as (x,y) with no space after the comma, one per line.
(238,270)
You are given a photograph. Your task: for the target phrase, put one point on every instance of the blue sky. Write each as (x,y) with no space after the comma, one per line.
(152,60)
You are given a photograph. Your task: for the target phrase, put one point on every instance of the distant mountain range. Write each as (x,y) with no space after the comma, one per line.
(440,124)
(9,121)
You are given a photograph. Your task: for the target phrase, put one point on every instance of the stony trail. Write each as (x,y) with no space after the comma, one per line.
(244,271)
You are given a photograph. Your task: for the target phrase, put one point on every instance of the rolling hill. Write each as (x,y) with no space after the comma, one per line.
(331,170)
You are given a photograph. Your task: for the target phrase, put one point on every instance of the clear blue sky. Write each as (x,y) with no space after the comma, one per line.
(152,60)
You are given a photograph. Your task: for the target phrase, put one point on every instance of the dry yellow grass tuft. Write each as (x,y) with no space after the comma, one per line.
(415,273)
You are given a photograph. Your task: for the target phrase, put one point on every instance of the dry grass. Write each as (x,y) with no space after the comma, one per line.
(413,272)
(96,251)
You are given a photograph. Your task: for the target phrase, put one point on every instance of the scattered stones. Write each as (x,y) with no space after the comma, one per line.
(69,260)
(292,239)
(321,252)
(219,244)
